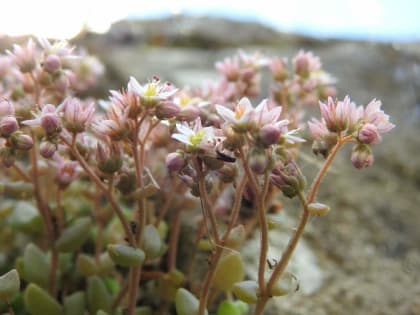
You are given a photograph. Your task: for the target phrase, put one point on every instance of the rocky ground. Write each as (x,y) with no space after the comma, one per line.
(364,257)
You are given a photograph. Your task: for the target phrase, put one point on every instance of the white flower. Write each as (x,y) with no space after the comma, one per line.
(152,92)
(241,118)
(196,137)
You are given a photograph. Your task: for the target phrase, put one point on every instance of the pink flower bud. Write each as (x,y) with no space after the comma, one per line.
(6,108)
(47,149)
(301,64)
(227,173)
(175,162)
(269,134)
(108,158)
(258,161)
(288,178)
(8,125)
(7,156)
(361,156)
(188,113)
(50,122)
(369,134)
(278,69)
(66,172)
(21,141)
(52,63)
(167,110)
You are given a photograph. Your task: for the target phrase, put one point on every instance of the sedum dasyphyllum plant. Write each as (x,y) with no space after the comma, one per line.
(94,191)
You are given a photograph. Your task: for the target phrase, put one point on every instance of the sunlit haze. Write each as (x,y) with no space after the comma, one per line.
(365,19)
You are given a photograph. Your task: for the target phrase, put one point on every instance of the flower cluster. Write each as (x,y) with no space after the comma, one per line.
(363,126)
(135,163)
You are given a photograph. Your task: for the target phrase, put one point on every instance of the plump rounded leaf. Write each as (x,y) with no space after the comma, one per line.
(287,283)
(125,255)
(236,236)
(106,264)
(246,291)
(75,304)
(101,312)
(151,242)
(317,208)
(242,307)
(163,229)
(39,302)
(98,297)
(74,236)
(25,217)
(228,308)
(85,264)
(143,310)
(229,270)
(9,285)
(168,285)
(186,303)
(35,265)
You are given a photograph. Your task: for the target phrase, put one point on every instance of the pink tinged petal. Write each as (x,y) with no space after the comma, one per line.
(134,86)
(32,122)
(182,138)
(226,114)
(184,130)
(291,138)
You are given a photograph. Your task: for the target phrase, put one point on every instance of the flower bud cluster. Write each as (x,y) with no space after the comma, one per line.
(343,119)
(13,137)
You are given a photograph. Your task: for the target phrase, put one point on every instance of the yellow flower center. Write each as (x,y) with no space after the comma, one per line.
(184,100)
(196,139)
(239,111)
(150,90)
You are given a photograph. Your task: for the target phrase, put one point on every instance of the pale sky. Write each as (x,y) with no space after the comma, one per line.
(365,19)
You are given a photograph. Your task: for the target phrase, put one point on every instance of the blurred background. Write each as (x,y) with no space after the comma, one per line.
(364,257)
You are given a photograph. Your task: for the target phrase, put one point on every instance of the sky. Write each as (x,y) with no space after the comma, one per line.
(384,20)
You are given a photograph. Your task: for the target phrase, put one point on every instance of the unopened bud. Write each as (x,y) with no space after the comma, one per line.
(258,161)
(369,134)
(6,108)
(8,125)
(288,178)
(109,159)
(269,134)
(47,149)
(167,110)
(212,163)
(50,122)
(126,182)
(7,156)
(233,140)
(175,161)
(301,65)
(227,173)
(52,63)
(361,156)
(21,141)
(45,79)
(188,113)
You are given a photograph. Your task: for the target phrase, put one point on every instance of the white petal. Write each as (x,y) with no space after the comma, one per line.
(184,130)
(181,138)
(226,113)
